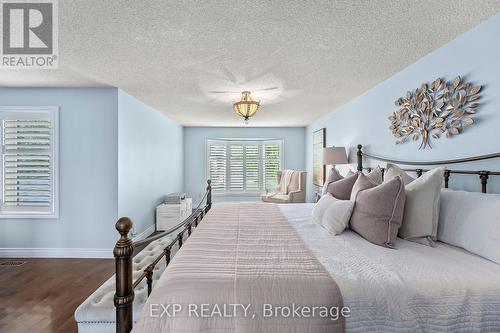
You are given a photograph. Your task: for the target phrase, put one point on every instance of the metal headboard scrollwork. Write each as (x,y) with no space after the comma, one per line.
(483,174)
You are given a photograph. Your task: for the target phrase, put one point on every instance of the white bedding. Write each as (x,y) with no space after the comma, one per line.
(412,288)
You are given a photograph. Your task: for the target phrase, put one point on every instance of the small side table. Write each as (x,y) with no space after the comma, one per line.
(170,215)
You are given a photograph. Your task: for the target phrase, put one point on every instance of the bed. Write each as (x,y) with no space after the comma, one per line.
(272,255)
(411,289)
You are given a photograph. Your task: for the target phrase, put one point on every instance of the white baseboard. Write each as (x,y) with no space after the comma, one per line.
(97,253)
(143,235)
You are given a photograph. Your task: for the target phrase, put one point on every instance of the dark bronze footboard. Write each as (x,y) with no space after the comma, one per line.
(123,252)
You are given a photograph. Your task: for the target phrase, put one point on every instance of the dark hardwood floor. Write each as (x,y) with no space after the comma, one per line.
(42,294)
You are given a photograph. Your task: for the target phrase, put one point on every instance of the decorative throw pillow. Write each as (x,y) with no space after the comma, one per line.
(420,222)
(333,176)
(362,183)
(341,189)
(320,208)
(337,215)
(376,175)
(392,171)
(470,220)
(378,212)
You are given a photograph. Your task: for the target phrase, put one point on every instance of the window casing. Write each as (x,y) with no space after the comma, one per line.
(243,166)
(29,162)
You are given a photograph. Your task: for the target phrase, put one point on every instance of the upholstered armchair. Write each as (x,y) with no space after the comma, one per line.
(295,192)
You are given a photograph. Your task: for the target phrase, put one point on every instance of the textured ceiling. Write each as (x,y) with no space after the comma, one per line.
(172,55)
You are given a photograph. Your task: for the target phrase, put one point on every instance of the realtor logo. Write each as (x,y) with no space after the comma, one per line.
(29,34)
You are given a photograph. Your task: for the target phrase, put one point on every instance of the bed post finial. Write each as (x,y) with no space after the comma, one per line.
(446,178)
(359,155)
(124,295)
(484,175)
(209,195)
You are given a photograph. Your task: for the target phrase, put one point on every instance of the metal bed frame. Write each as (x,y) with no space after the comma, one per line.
(123,252)
(483,174)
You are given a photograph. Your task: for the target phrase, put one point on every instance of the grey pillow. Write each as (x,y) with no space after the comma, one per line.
(362,183)
(378,212)
(341,189)
(333,176)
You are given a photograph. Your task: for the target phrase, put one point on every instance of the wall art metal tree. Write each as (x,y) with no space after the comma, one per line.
(431,111)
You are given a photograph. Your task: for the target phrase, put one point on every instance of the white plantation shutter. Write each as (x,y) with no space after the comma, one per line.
(252,167)
(271,163)
(241,166)
(29,162)
(236,167)
(217,159)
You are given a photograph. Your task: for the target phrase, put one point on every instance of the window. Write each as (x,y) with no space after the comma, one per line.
(243,166)
(29,162)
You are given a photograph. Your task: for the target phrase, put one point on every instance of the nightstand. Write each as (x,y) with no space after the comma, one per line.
(170,215)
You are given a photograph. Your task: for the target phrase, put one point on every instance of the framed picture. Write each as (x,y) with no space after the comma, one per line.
(319,170)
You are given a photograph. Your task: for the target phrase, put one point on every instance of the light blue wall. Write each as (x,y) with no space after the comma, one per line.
(88,182)
(475,56)
(150,160)
(195,152)
(117,157)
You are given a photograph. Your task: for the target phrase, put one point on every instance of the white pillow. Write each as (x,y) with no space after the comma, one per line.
(421,216)
(337,215)
(471,220)
(320,207)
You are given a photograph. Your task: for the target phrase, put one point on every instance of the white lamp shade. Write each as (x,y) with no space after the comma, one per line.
(334,156)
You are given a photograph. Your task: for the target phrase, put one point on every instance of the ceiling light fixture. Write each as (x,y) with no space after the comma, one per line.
(247,106)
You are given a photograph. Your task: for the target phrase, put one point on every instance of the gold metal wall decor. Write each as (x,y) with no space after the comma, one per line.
(431,111)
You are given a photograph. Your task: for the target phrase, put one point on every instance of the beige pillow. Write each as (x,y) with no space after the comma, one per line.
(337,215)
(420,222)
(393,171)
(341,189)
(333,176)
(378,212)
(376,175)
(320,208)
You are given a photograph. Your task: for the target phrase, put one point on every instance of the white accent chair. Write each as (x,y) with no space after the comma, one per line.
(296,190)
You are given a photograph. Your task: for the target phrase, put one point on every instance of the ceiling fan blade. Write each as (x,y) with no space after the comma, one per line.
(266,89)
(239,92)
(224,92)
(213,100)
(230,76)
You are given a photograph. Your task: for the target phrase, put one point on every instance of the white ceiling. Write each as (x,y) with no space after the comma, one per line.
(319,54)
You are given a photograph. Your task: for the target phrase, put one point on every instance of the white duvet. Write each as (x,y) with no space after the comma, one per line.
(412,288)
